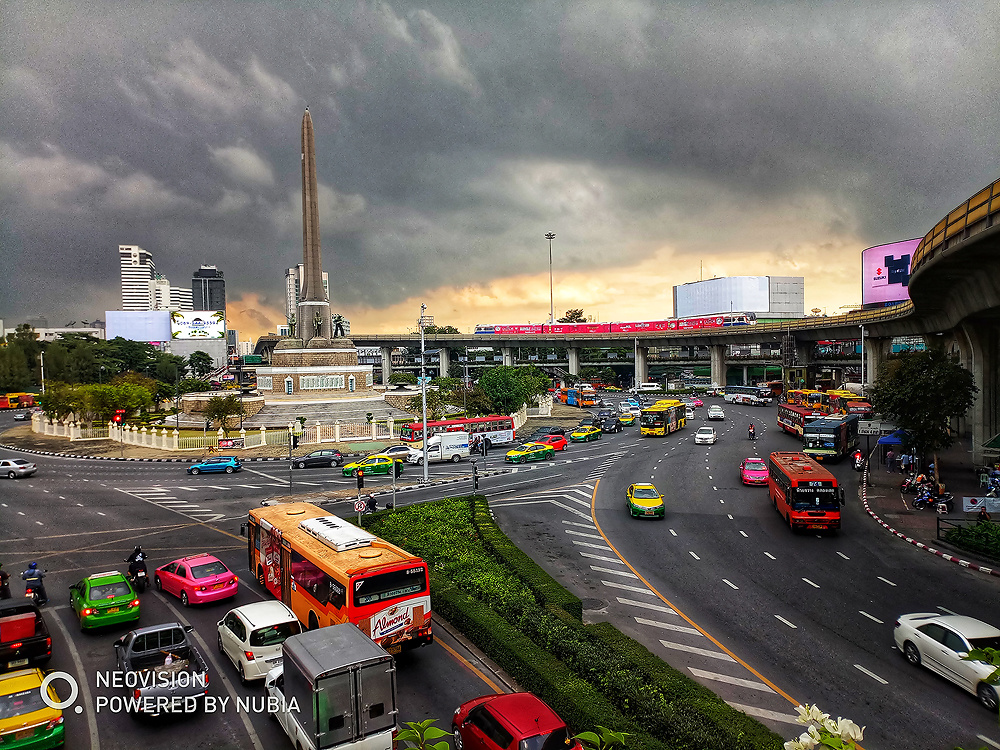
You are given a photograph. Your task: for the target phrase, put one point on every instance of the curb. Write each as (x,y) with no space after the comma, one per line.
(950,558)
(420,486)
(146,460)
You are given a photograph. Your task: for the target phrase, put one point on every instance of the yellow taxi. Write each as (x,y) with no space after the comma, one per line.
(530,452)
(644,501)
(585,434)
(26,721)
(626,417)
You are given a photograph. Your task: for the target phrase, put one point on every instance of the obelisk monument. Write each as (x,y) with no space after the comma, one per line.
(313,312)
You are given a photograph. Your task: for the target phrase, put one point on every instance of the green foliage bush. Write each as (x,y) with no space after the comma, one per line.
(983,538)
(590,675)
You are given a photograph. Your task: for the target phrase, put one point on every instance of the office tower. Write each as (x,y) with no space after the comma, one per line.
(293,287)
(137,271)
(180,298)
(208,289)
(159,292)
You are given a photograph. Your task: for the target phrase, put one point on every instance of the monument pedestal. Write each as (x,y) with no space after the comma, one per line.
(318,367)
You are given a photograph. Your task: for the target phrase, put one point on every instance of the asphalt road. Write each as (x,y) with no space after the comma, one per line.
(721,589)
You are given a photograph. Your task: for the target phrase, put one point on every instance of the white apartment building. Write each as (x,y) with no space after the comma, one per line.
(137,274)
(293,286)
(181,298)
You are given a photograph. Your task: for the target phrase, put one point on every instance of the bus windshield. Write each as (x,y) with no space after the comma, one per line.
(386,586)
(820,440)
(650,420)
(815,498)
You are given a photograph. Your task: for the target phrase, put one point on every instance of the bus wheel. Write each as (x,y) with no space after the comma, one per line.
(313,622)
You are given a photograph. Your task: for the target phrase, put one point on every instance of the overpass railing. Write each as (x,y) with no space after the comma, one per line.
(980,212)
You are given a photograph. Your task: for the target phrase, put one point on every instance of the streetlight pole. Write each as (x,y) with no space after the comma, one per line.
(552,305)
(423,387)
(42,354)
(862,327)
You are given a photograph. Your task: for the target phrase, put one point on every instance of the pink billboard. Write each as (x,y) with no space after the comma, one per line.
(885,272)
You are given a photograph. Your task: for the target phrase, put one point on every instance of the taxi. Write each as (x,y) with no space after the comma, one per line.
(104,599)
(753,471)
(626,417)
(197,579)
(373,465)
(644,501)
(26,721)
(585,434)
(530,452)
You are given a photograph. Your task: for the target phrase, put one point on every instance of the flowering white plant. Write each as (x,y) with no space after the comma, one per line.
(824,732)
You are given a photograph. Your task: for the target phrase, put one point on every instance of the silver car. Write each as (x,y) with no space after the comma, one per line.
(705,436)
(939,642)
(16,467)
(715,412)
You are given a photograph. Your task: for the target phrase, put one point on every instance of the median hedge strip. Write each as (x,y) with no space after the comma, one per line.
(511,609)
(982,538)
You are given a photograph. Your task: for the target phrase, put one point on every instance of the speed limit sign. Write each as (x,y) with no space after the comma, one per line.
(360,505)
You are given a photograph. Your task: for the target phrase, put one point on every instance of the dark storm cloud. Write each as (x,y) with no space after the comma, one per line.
(451,136)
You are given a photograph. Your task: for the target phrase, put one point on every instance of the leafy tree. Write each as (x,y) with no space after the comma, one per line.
(455,370)
(402,378)
(192,385)
(60,400)
(151,386)
(200,363)
(428,330)
(509,388)
(573,316)
(131,355)
(15,375)
(437,403)
(476,403)
(921,392)
(220,409)
(170,367)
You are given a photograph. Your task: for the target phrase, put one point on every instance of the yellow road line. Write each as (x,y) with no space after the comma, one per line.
(470,666)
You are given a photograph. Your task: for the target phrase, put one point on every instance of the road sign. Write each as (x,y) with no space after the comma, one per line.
(360,505)
(869,427)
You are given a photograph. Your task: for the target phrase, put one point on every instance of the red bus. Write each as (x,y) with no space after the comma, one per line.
(793,418)
(329,571)
(804,493)
(17,400)
(493,429)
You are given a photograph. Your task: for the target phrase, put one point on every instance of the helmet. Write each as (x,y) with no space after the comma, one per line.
(33,566)
(137,548)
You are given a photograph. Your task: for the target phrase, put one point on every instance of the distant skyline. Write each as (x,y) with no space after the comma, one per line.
(653,139)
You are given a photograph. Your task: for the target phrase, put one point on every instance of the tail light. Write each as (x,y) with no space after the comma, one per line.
(249,655)
(202,588)
(48,643)
(54,723)
(896,624)
(134,603)
(233,579)
(87,612)
(136,693)
(17,645)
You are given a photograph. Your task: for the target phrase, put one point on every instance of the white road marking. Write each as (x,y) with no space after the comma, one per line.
(699,651)
(871,674)
(622,573)
(581,525)
(886,580)
(814,585)
(647,605)
(843,555)
(789,624)
(763,713)
(39,523)
(99,513)
(580,533)
(987,740)
(669,626)
(593,546)
(945,609)
(601,557)
(693,555)
(770,555)
(743,533)
(635,589)
(731,584)
(730,516)
(870,617)
(88,699)
(673,533)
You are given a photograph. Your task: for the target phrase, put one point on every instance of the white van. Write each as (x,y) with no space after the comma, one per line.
(649,387)
(445,446)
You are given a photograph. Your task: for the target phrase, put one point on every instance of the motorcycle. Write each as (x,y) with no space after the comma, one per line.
(34,591)
(910,485)
(859,461)
(751,434)
(927,500)
(137,575)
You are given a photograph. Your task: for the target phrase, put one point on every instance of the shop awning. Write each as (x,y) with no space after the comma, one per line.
(896,438)
(993,444)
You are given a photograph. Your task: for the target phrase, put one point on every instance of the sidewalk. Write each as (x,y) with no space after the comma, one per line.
(893,509)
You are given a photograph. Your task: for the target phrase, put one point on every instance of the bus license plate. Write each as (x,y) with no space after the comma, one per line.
(395,649)
(17,663)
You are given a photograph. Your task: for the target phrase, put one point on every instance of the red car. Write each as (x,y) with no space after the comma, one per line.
(516,720)
(197,579)
(558,442)
(753,471)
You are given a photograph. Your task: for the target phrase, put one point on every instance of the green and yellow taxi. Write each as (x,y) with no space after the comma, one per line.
(585,434)
(104,599)
(626,417)
(644,501)
(26,721)
(530,452)
(373,465)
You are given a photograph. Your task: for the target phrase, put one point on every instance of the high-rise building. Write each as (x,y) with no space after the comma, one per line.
(137,271)
(159,293)
(181,298)
(293,287)
(208,289)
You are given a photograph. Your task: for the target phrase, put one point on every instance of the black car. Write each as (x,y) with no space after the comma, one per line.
(543,431)
(605,414)
(326,457)
(588,422)
(611,425)
(24,637)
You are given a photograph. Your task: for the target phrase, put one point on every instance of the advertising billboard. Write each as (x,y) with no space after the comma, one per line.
(722,295)
(885,273)
(198,324)
(150,326)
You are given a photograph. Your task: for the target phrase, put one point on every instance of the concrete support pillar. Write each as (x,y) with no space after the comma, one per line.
(983,360)
(876,352)
(746,375)
(508,355)
(717,358)
(573,353)
(444,361)
(641,364)
(386,364)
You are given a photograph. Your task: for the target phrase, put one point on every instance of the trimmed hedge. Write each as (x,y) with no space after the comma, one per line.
(589,674)
(982,538)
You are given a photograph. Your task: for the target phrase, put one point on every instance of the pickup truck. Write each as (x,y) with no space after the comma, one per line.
(24,637)
(161,670)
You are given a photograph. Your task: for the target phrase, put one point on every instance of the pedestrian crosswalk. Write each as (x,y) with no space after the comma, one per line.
(159,496)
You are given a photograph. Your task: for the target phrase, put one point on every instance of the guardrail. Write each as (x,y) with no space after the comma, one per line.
(978,213)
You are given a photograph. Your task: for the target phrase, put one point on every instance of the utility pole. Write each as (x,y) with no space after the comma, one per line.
(424,319)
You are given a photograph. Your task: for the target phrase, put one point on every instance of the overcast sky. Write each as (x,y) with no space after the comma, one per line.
(659,141)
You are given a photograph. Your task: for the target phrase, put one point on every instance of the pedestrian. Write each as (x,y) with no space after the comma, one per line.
(890,461)
(905,461)
(984,515)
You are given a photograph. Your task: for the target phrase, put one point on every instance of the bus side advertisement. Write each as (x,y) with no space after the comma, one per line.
(804,493)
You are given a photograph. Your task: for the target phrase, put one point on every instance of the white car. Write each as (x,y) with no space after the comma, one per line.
(715,412)
(12,468)
(940,641)
(705,436)
(251,636)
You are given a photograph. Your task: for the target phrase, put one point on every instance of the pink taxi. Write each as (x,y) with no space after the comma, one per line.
(197,579)
(753,471)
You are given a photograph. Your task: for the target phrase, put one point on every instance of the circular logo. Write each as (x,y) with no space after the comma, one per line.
(74,690)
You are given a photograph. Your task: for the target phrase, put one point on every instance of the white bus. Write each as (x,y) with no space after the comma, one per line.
(756,395)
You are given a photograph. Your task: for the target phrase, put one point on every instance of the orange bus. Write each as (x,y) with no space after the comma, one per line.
(330,571)
(804,493)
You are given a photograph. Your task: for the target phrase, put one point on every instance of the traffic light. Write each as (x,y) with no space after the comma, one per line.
(361,479)
(397,467)
(475,476)
(119,416)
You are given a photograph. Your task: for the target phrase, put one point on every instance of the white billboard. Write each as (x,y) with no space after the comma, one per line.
(151,326)
(198,324)
(727,294)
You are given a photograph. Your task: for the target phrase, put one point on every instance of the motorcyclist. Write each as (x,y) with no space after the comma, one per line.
(751,432)
(136,561)
(32,578)
(4,583)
